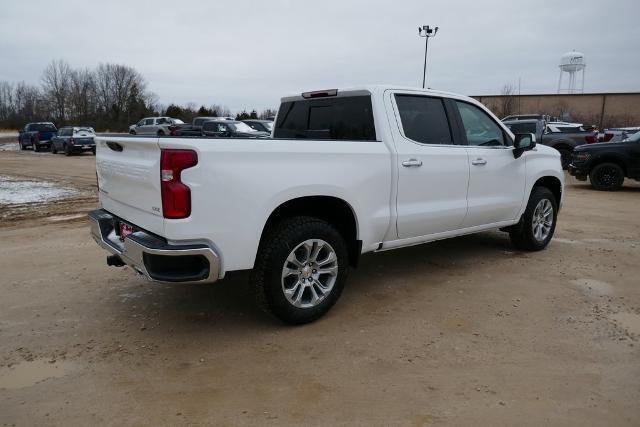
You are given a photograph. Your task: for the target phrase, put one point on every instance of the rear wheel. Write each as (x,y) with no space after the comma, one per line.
(606,177)
(132,132)
(300,269)
(35,146)
(22,146)
(161,133)
(67,150)
(538,222)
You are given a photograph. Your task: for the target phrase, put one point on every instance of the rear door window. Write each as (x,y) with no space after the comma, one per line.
(424,119)
(335,118)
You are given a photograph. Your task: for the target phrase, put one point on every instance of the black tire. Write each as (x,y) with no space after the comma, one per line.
(522,234)
(54,150)
(67,150)
(161,133)
(93,151)
(606,177)
(278,243)
(22,146)
(132,132)
(565,157)
(35,147)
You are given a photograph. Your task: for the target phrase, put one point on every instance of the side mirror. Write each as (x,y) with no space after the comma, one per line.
(523,142)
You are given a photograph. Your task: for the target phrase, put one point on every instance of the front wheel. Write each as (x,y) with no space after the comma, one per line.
(67,150)
(606,177)
(538,222)
(132,132)
(35,147)
(300,269)
(54,150)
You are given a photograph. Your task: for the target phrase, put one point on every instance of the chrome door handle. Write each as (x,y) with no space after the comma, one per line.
(479,162)
(412,163)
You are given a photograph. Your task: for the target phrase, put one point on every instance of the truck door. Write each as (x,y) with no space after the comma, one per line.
(496,178)
(433,169)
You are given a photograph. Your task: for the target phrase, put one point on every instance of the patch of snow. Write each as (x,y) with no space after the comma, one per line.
(9,147)
(18,191)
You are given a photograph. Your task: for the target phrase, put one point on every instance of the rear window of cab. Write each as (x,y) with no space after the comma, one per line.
(332,118)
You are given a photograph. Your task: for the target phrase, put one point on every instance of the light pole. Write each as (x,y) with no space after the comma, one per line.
(426,32)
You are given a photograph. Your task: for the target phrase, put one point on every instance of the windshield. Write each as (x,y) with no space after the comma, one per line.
(83,130)
(43,127)
(241,127)
(634,138)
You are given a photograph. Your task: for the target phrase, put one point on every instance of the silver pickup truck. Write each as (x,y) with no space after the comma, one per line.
(564,137)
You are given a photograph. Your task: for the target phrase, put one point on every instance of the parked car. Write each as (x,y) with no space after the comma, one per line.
(36,135)
(606,164)
(545,117)
(347,173)
(74,139)
(195,128)
(562,136)
(260,125)
(616,134)
(155,126)
(229,129)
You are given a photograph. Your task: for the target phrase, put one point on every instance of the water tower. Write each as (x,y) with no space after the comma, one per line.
(572,63)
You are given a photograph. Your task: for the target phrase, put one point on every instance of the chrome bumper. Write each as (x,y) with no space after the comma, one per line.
(142,251)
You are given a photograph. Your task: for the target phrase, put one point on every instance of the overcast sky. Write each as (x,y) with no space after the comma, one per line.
(249,54)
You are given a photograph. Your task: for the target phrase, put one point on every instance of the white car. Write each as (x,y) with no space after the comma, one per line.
(347,172)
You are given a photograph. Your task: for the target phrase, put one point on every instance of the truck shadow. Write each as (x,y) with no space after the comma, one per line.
(230,303)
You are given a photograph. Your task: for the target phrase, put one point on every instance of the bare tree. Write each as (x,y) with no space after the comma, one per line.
(507,100)
(56,83)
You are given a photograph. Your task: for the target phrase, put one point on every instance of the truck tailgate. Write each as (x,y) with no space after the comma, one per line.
(128,171)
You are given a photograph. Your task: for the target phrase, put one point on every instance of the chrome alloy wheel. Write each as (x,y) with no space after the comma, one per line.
(309,273)
(542,220)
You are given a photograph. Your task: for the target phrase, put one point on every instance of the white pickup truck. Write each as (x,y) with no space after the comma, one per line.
(347,172)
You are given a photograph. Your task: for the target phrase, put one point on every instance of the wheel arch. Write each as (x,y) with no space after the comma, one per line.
(609,158)
(334,210)
(553,184)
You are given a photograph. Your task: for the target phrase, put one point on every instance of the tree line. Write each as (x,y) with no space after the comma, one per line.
(109,97)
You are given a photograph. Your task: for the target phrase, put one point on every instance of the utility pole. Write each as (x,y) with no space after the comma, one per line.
(426,32)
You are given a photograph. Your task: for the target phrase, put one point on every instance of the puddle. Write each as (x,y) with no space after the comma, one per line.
(592,286)
(628,321)
(18,191)
(26,374)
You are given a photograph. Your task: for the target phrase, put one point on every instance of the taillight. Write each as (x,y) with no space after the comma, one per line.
(591,139)
(176,196)
(607,137)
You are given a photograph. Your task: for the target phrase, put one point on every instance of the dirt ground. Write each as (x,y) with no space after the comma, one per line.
(460,332)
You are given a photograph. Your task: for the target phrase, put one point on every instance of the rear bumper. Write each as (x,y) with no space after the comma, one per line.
(81,148)
(152,256)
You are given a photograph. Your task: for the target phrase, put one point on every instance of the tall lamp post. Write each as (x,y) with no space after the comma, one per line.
(426,32)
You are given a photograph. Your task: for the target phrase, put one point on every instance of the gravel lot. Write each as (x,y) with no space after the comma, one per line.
(459,332)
